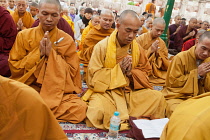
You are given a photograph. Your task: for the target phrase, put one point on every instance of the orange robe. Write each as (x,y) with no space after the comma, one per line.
(110,90)
(159,62)
(182,80)
(57,77)
(93,37)
(69,20)
(24,115)
(27,19)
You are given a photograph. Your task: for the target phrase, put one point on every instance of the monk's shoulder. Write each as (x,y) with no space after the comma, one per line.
(102,44)
(182,56)
(27,33)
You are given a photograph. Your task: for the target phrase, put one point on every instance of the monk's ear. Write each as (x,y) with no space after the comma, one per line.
(118,25)
(37,10)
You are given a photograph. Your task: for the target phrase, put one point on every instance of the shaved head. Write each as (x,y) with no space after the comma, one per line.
(159,21)
(192,19)
(130,13)
(106,19)
(56,2)
(106,12)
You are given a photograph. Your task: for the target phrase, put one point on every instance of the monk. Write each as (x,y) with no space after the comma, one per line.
(188,74)
(185,33)
(149,23)
(11,5)
(93,22)
(22,18)
(34,10)
(4,4)
(157,52)
(151,8)
(190,120)
(8,32)
(95,35)
(198,25)
(24,115)
(118,80)
(173,30)
(45,58)
(205,25)
(142,29)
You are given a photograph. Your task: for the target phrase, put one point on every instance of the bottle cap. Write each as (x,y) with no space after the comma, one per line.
(81,64)
(116,113)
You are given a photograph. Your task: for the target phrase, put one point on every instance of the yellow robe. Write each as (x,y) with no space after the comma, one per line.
(10,11)
(190,120)
(27,19)
(93,37)
(84,34)
(57,77)
(24,115)
(158,62)
(182,80)
(113,91)
(70,22)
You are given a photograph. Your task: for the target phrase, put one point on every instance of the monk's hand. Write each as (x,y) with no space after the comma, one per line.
(48,43)
(203,69)
(19,24)
(154,47)
(177,30)
(192,33)
(128,70)
(43,44)
(124,64)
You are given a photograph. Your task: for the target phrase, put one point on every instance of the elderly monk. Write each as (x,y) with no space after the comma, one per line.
(142,29)
(188,74)
(157,52)
(22,18)
(45,58)
(8,32)
(148,24)
(97,34)
(190,120)
(95,20)
(24,115)
(185,33)
(117,78)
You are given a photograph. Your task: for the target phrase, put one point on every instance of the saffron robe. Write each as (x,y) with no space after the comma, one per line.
(93,37)
(182,80)
(57,78)
(8,32)
(190,120)
(113,91)
(62,25)
(27,19)
(178,39)
(24,115)
(159,62)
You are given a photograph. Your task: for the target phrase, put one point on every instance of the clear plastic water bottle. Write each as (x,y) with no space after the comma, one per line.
(84,85)
(114,126)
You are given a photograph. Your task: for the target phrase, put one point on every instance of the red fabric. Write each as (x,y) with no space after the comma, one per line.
(178,40)
(188,44)
(136,133)
(62,25)
(8,32)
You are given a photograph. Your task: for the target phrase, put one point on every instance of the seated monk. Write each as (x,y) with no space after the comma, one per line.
(24,115)
(156,51)
(188,74)
(22,18)
(190,120)
(93,22)
(117,78)
(95,35)
(142,29)
(45,58)
(8,32)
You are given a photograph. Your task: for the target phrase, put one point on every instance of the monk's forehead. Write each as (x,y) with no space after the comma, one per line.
(21,1)
(193,20)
